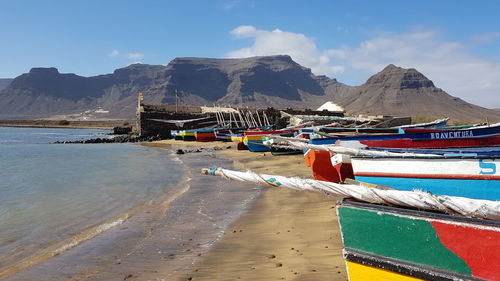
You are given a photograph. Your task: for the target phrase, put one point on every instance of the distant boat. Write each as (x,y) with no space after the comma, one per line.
(253,140)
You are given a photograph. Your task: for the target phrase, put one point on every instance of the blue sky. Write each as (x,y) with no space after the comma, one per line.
(454,43)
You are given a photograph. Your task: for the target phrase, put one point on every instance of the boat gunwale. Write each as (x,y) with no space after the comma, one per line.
(397,266)
(350,202)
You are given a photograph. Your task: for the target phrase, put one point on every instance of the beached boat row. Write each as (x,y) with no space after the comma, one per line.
(410,233)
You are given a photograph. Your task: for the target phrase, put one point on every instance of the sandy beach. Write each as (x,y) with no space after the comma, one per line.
(286,235)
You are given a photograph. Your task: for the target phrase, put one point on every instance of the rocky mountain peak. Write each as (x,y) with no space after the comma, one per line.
(44,71)
(400,78)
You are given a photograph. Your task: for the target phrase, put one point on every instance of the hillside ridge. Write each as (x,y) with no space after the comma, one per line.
(268,81)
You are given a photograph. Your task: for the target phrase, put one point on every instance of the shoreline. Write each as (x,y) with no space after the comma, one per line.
(285,234)
(163,238)
(102,124)
(278,234)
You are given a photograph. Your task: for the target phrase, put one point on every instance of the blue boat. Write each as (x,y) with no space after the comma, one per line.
(472,175)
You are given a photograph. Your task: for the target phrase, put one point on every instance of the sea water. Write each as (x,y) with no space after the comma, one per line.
(81,210)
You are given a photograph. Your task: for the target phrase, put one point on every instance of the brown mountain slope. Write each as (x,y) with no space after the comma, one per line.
(272,81)
(4,82)
(399,92)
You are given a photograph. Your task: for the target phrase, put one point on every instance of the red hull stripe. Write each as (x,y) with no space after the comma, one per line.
(426,176)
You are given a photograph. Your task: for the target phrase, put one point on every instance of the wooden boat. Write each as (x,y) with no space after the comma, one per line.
(185,135)
(394,243)
(421,127)
(431,138)
(204,135)
(224,134)
(468,175)
(254,139)
(238,139)
(175,134)
(476,137)
(322,168)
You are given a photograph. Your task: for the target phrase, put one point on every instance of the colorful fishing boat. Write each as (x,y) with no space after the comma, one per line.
(254,140)
(204,135)
(475,137)
(186,135)
(394,243)
(238,139)
(466,175)
(324,169)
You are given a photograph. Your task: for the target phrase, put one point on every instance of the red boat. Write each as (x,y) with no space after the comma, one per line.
(431,143)
(204,136)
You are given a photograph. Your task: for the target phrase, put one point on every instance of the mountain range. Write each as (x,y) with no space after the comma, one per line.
(270,81)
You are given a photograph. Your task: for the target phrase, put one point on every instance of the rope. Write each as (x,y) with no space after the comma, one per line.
(486,209)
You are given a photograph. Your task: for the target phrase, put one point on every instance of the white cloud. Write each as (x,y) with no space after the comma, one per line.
(114,53)
(447,64)
(135,56)
(230,4)
(277,42)
(450,65)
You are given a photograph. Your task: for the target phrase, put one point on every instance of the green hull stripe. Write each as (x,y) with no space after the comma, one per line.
(412,240)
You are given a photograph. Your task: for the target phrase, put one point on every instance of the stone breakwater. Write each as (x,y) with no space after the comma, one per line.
(118,139)
(200,149)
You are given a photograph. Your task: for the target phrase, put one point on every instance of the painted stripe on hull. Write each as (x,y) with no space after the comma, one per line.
(428,176)
(429,166)
(476,189)
(408,143)
(401,268)
(360,272)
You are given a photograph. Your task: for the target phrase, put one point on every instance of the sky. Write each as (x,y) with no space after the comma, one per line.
(455,43)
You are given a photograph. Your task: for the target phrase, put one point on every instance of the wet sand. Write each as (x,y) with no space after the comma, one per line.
(286,235)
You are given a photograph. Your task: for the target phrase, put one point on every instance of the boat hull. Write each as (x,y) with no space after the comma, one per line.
(324,170)
(254,143)
(205,136)
(238,139)
(433,143)
(416,244)
(476,178)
